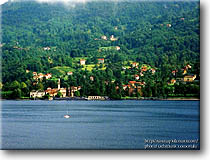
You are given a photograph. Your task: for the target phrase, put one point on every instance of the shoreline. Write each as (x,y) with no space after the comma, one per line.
(181,99)
(140,99)
(167,99)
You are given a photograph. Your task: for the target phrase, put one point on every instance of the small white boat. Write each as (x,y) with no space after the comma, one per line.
(66,116)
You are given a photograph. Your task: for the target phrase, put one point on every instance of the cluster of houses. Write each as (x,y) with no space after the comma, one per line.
(186,78)
(144,68)
(40,76)
(134,87)
(52,92)
(185,69)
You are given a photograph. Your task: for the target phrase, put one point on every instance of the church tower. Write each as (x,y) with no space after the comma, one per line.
(59,83)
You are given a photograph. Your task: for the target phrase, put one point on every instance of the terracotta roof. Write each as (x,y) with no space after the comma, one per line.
(132,82)
(127,85)
(51,91)
(173,80)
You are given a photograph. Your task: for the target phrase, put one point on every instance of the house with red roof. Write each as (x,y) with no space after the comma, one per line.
(153,70)
(174,72)
(82,61)
(54,91)
(136,77)
(117,48)
(69,73)
(101,60)
(173,81)
(48,75)
(132,83)
(134,64)
(126,86)
(34,73)
(144,68)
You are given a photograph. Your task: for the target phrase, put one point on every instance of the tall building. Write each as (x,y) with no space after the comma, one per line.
(59,83)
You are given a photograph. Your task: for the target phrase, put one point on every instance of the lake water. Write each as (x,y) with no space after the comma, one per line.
(100,124)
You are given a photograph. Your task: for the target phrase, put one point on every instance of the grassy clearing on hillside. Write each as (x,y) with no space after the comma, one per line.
(61,70)
(107,48)
(64,68)
(89,67)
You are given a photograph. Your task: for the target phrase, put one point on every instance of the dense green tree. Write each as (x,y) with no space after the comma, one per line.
(59,94)
(77,94)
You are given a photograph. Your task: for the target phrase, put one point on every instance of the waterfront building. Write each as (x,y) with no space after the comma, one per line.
(37,94)
(96,98)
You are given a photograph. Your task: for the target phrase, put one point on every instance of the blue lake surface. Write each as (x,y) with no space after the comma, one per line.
(97,124)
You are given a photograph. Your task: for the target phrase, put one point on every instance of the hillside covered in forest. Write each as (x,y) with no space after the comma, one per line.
(115,49)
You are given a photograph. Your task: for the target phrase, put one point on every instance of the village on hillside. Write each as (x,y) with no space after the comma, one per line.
(132,87)
(107,75)
(120,61)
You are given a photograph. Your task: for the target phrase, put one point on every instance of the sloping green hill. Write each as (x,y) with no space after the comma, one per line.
(41,36)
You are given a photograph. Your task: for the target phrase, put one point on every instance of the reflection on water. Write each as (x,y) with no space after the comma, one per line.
(96,124)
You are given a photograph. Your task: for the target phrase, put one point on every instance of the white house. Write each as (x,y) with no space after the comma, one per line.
(37,94)
(82,61)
